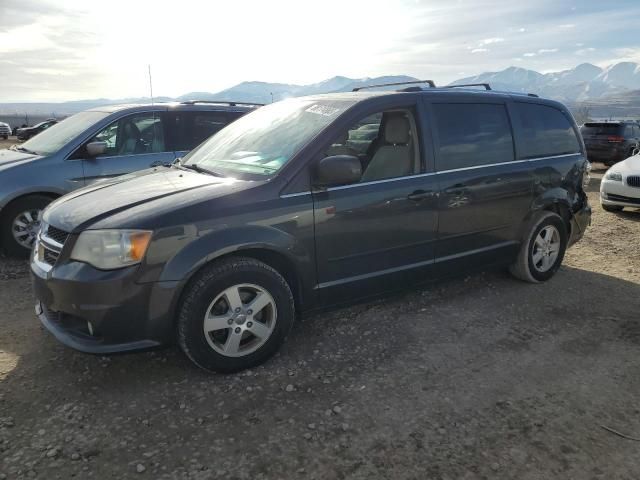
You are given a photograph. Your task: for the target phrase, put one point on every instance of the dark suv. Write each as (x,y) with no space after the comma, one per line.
(611,142)
(281,213)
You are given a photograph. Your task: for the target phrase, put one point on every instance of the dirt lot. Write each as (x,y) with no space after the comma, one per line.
(482,377)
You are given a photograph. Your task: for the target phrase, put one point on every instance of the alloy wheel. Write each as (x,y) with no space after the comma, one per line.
(546,248)
(25,227)
(240,320)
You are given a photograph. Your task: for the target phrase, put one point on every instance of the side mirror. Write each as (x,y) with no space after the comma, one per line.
(96,148)
(337,170)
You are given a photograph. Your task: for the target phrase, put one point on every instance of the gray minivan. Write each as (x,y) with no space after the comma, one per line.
(94,145)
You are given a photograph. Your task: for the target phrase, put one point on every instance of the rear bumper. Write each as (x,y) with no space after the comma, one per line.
(579,223)
(102,312)
(607,156)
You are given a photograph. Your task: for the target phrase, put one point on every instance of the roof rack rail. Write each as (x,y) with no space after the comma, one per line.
(231,104)
(430,82)
(463,85)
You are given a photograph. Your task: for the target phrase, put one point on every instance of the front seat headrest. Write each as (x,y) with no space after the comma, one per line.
(396,130)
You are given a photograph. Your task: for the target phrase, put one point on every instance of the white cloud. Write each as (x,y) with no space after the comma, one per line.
(529,54)
(547,50)
(490,41)
(585,51)
(479,50)
(567,25)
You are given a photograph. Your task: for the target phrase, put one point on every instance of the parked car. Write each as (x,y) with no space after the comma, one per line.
(620,186)
(611,142)
(263,223)
(25,133)
(5,130)
(93,146)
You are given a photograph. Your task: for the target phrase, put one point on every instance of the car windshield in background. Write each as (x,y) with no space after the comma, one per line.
(601,129)
(265,140)
(55,137)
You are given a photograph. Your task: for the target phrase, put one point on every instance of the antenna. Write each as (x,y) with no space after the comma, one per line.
(150,84)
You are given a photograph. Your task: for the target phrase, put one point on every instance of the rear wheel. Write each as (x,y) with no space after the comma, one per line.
(612,208)
(542,251)
(20,224)
(235,315)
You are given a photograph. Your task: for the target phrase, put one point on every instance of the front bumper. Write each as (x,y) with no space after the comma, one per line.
(102,312)
(619,194)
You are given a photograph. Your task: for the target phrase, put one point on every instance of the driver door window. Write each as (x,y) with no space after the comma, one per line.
(133,135)
(385,143)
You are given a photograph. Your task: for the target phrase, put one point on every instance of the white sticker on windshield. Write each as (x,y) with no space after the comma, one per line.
(323,110)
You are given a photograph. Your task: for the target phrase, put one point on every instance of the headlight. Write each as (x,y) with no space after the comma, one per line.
(111,249)
(614,176)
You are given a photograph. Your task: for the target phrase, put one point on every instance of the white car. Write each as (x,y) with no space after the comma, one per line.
(620,186)
(5,130)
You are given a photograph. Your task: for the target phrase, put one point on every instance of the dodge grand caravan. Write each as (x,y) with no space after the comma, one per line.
(280,214)
(94,145)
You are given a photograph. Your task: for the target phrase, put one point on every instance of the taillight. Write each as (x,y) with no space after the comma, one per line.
(615,139)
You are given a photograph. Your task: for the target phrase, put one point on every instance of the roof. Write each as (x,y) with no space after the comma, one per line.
(438,92)
(190,106)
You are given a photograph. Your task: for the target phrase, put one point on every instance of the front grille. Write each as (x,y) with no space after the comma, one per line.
(57,235)
(622,198)
(52,241)
(50,257)
(633,181)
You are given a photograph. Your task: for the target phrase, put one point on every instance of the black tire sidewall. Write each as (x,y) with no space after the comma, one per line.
(557,222)
(612,208)
(9,244)
(197,302)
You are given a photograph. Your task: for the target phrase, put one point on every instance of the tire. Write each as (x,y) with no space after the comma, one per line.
(527,267)
(209,293)
(33,203)
(611,208)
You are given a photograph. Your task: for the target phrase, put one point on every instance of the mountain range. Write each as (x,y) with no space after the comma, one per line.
(616,86)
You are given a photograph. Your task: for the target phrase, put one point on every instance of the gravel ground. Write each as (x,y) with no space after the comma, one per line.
(480,377)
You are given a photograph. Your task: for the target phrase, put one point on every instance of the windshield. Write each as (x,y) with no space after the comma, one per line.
(57,136)
(601,129)
(266,139)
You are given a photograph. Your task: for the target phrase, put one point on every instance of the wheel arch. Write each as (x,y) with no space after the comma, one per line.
(268,245)
(52,194)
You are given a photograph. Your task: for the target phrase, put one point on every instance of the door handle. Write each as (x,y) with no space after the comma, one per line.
(420,195)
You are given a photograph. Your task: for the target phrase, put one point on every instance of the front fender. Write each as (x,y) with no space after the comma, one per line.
(193,250)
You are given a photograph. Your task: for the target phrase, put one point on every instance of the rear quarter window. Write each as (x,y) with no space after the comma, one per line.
(545,131)
(471,135)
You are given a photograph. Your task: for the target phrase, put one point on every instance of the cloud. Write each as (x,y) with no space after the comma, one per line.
(585,51)
(567,25)
(490,41)
(479,50)
(547,50)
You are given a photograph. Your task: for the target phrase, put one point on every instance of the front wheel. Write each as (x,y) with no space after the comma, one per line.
(611,208)
(542,250)
(20,223)
(235,314)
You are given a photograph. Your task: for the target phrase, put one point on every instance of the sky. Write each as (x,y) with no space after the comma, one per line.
(52,50)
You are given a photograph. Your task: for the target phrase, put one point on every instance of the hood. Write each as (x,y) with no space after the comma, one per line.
(84,207)
(9,157)
(630,165)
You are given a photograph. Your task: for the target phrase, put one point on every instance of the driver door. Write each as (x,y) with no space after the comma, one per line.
(134,142)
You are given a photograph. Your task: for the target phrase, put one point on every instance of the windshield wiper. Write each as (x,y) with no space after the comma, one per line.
(26,150)
(197,168)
